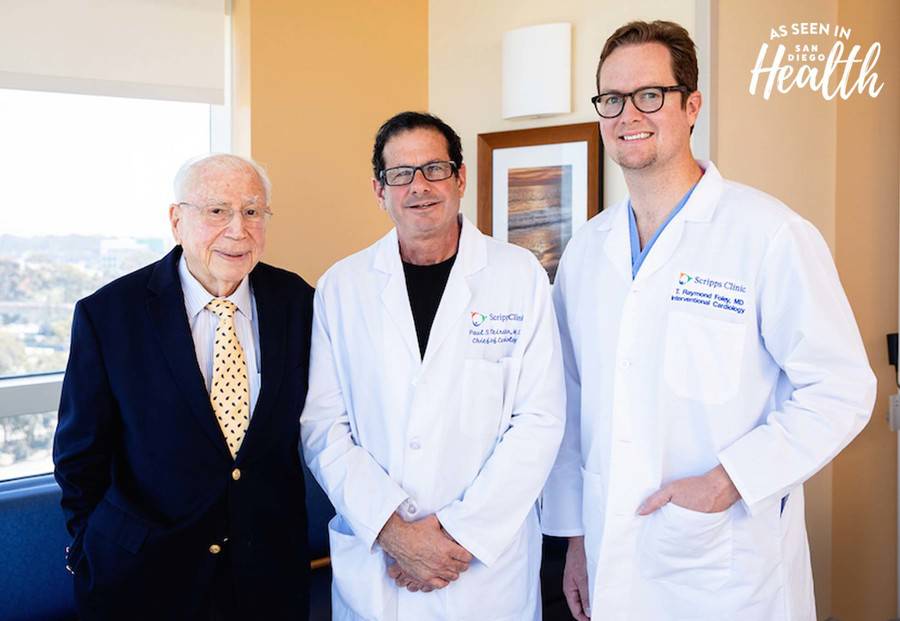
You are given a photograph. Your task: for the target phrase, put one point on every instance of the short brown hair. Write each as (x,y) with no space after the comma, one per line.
(676,39)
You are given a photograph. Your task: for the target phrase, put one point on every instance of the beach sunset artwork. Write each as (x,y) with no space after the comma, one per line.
(540,211)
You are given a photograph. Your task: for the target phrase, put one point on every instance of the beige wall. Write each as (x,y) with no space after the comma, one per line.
(798,131)
(322,80)
(835,163)
(465,39)
(866,224)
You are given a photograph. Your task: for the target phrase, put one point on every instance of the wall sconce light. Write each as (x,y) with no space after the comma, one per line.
(537,71)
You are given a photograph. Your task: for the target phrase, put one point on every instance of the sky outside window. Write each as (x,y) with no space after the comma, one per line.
(89,165)
(86,184)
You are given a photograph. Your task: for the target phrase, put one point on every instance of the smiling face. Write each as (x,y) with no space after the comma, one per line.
(639,141)
(423,210)
(220,256)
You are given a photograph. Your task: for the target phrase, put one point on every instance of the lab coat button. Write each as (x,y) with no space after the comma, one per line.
(411,509)
(624,364)
(236,474)
(414,444)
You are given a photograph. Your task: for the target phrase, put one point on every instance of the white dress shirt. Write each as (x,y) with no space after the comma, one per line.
(203,324)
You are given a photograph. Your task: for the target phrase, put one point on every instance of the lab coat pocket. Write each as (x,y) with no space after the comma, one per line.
(358,573)
(482,399)
(703,357)
(687,548)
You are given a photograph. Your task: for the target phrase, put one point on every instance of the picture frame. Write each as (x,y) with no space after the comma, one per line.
(537,186)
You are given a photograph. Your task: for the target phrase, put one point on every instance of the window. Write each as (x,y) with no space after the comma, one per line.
(87,181)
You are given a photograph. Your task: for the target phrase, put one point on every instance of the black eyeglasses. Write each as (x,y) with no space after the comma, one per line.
(404,175)
(647,100)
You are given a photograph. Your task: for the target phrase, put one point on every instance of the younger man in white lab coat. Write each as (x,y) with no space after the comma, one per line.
(713,365)
(436,401)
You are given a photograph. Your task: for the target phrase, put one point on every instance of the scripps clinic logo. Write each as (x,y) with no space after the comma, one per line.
(480,318)
(818,56)
(698,282)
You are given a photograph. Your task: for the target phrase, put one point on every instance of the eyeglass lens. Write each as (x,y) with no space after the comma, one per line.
(433,171)
(646,100)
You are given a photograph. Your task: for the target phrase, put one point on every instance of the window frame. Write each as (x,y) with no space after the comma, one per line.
(30,394)
(39,393)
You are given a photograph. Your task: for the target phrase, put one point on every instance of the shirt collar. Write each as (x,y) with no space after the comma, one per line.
(196,297)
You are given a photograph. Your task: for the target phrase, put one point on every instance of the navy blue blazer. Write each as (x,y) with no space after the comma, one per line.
(152,498)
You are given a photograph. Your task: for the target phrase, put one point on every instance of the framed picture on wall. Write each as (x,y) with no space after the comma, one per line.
(537,186)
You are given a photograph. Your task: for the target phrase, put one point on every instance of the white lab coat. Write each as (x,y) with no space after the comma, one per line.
(734,344)
(470,433)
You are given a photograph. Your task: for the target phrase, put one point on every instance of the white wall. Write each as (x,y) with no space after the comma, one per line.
(464,64)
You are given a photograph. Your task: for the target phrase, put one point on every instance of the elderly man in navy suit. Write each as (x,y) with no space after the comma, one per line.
(179,421)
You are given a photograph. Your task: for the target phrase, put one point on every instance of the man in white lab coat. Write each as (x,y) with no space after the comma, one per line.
(713,365)
(436,402)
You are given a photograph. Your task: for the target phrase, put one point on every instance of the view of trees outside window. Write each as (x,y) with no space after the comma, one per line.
(42,277)
(86,184)
(26,442)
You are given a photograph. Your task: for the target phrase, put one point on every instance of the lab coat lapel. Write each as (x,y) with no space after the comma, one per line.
(703,202)
(700,208)
(665,246)
(618,242)
(394,296)
(471,257)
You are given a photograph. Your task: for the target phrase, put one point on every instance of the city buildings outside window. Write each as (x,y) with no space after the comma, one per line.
(86,185)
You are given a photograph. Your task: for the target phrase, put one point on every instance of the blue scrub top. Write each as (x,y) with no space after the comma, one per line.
(637,253)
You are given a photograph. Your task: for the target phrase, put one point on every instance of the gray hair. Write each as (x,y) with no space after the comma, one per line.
(223,161)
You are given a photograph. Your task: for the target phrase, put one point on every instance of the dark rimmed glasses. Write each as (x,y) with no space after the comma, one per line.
(647,100)
(404,175)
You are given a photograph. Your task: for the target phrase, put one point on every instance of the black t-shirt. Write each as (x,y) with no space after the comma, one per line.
(425,285)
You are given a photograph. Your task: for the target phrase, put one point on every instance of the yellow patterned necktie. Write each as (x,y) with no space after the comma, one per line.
(229,392)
